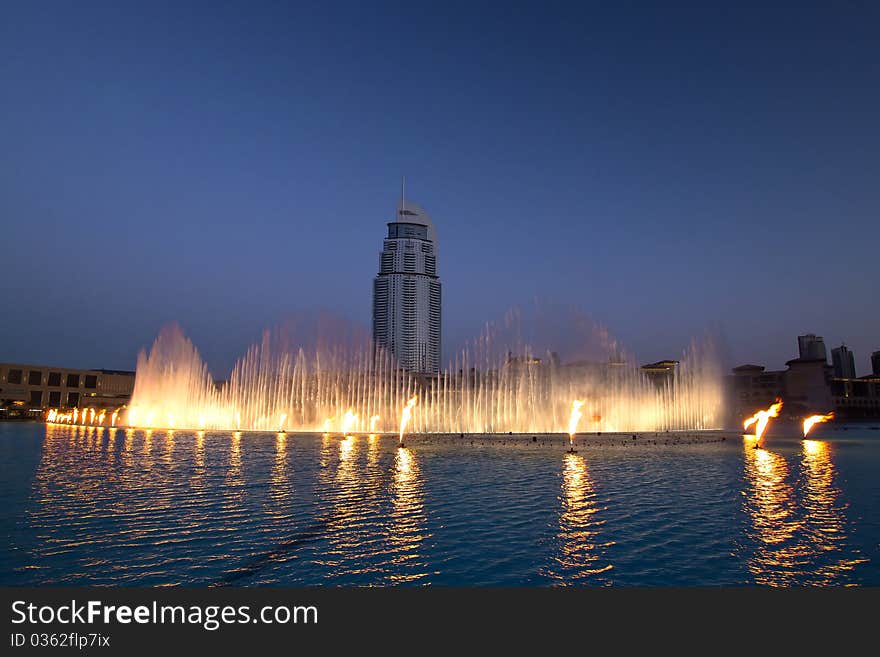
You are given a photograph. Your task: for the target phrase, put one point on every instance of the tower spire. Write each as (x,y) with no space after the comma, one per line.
(403,194)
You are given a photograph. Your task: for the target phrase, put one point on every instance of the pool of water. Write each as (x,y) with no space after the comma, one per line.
(148,508)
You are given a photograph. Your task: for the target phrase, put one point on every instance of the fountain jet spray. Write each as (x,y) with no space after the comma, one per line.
(349,421)
(761,419)
(374,420)
(809,422)
(573,421)
(281,422)
(406,415)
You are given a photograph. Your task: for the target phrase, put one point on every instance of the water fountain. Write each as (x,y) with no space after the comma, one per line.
(499,383)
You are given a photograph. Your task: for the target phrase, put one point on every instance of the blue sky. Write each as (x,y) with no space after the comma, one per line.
(668,169)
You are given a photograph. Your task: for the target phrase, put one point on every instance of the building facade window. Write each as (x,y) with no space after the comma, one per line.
(54,379)
(14,376)
(91,381)
(73,380)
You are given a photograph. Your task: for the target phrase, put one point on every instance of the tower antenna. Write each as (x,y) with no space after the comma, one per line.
(403,195)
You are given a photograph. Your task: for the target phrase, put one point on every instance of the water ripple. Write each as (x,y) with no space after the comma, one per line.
(110,507)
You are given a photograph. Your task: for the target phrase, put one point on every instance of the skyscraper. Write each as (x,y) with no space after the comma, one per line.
(406,292)
(875,363)
(843,362)
(812,347)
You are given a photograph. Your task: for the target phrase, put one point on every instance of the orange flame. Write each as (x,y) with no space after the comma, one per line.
(815,419)
(406,415)
(762,418)
(574,419)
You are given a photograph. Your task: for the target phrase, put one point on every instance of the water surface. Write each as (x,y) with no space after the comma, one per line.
(87,506)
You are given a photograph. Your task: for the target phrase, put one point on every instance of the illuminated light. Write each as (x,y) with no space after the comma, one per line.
(52,415)
(813,447)
(374,420)
(281,422)
(327,425)
(312,383)
(406,415)
(762,418)
(573,420)
(813,420)
(349,420)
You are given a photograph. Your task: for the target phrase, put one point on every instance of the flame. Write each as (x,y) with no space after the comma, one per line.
(815,419)
(348,422)
(374,420)
(573,420)
(762,418)
(406,415)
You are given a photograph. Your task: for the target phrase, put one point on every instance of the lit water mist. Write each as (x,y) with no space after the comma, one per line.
(497,384)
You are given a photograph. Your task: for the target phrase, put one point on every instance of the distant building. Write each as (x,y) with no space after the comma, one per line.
(754,388)
(875,363)
(661,372)
(856,398)
(406,292)
(843,362)
(29,389)
(803,386)
(812,347)
(807,388)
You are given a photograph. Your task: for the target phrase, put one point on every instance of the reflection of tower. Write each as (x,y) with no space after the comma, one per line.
(406,292)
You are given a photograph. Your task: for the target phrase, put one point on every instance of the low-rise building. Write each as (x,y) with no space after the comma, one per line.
(30,389)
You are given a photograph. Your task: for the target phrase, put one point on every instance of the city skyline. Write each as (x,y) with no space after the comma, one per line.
(665,185)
